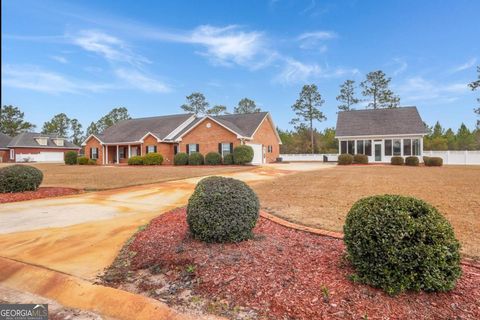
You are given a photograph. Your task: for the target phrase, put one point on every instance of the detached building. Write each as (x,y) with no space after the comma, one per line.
(381,133)
(34,147)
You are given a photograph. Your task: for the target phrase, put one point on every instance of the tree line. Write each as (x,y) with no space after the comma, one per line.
(375,90)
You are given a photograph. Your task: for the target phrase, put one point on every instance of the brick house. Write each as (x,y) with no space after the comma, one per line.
(187,133)
(34,147)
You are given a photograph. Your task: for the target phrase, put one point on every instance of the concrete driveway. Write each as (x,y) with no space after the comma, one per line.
(81,235)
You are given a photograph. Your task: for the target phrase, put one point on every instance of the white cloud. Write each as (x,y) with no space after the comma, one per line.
(295,71)
(402,66)
(467,65)
(59,59)
(36,79)
(110,47)
(140,81)
(316,40)
(420,89)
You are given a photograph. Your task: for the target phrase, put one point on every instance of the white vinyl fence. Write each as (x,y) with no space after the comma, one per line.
(309,157)
(456,157)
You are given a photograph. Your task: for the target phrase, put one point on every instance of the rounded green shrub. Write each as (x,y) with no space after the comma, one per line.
(228,159)
(412,161)
(180,159)
(195,159)
(82,160)
(345,159)
(135,161)
(434,162)
(152,158)
(397,161)
(401,243)
(213,158)
(20,178)
(70,157)
(91,162)
(360,158)
(242,154)
(222,210)
(425,159)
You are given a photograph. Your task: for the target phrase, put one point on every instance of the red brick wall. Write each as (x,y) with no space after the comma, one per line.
(266,136)
(94,143)
(208,138)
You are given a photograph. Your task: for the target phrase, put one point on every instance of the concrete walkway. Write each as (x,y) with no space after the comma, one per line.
(81,235)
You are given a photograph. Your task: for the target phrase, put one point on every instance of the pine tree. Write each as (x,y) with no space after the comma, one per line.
(376,88)
(347,95)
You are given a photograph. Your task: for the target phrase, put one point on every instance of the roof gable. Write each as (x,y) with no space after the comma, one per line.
(396,121)
(135,129)
(4,140)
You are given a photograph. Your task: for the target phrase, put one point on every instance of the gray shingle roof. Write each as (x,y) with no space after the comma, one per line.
(4,140)
(405,120)
(27,140)
(134,129)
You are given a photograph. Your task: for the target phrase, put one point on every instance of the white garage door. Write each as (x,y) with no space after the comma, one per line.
(39,157)
(257,153)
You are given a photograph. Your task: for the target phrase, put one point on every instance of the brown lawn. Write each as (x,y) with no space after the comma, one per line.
(102,177)
(322,198)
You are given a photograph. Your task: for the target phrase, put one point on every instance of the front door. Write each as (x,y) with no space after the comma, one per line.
(378,151)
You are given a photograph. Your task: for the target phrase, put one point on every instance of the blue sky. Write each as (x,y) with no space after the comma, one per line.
(86,57)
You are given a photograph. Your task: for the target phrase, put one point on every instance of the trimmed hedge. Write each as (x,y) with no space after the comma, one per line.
(360,158)
(91,162)
(195,159)
(82,160)
(222,210)
(152,158)
(345,159)
(213,158)
(228,159)
(397,161)
(19,178)
(242,154)
(433,161)
(412,161)
(135,161)
(70,157)
(401,243)
(425,159)
(180,159)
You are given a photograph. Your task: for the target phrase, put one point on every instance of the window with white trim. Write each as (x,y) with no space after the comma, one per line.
(151,149)
(225,148)
(416,147)
(397,147)
(94,153)
(388,147)
(407,147)
(12,154)
(192,147)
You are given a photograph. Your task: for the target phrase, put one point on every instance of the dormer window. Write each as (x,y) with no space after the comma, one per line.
(42,141)
(59,142)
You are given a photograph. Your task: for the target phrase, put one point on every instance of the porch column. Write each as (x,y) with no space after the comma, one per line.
(103,154)
(129,151)
(118,155)
(106,154)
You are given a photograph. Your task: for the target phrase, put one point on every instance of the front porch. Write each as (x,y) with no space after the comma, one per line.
(119,154)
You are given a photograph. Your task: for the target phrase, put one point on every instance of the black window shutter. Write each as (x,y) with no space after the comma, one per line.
(155,148)
(198,147)
(188,148)
(175,150)
(231,147)
(91,153)
(146,149)
(220,148)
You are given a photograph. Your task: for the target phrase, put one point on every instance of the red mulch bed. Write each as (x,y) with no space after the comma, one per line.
(285,273)
(44,192)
